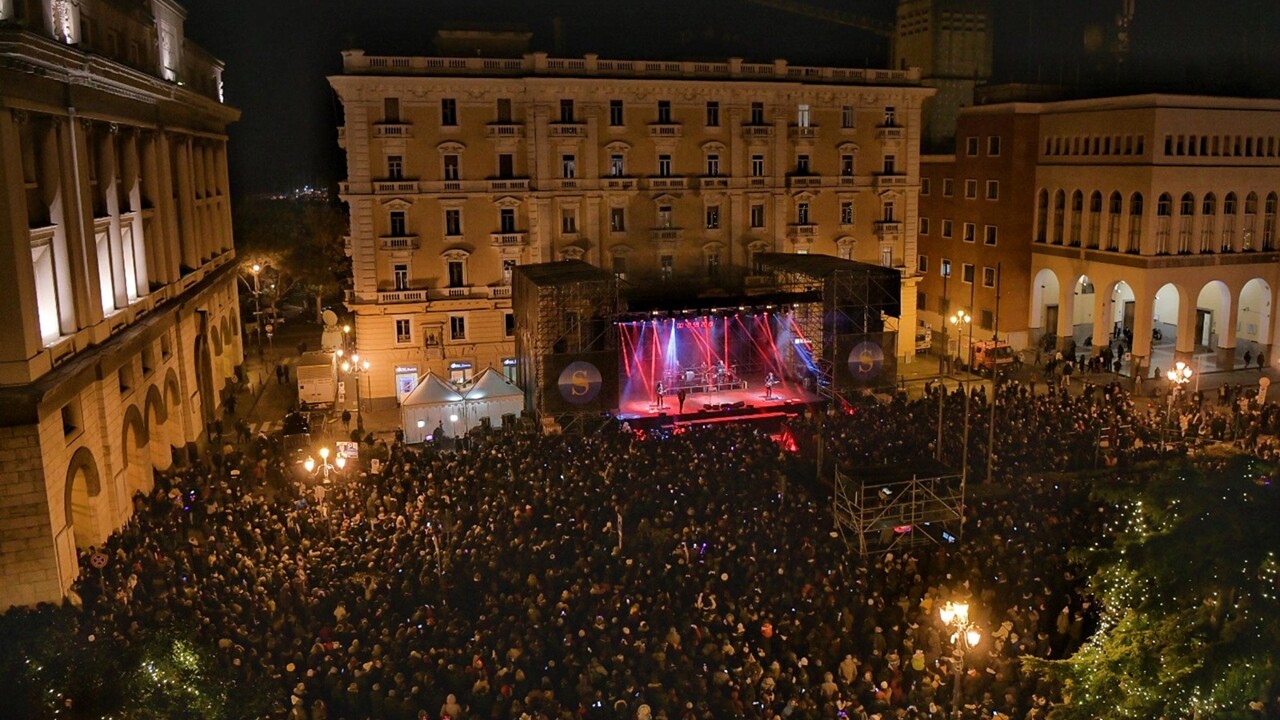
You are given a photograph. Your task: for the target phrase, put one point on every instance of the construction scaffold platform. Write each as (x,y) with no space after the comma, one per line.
(880,509)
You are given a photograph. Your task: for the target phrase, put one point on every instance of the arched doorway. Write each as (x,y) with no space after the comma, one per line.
(137,465)
(1045,294)
(81,495)
(1253,322)
(1082,310)
(156,416)
(204,378)
(1123,306)
(1213,317)
(1165,317)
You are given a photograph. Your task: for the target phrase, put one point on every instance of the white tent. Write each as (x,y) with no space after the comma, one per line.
(432,403)
(493,396)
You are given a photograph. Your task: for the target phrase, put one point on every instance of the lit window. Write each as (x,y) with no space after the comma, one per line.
(457,327)
(404,334)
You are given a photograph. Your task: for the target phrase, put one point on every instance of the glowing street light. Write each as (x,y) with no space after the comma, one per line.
(960,319)
(1179,375)
(325,467)
(964,638)
(357,367)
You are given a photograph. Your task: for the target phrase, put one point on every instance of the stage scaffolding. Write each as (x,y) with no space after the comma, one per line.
(886,508)
(845,298)
(562,309)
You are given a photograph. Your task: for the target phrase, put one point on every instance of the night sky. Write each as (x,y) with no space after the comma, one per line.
(278,52)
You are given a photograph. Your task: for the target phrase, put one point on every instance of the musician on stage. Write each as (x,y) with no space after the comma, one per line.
(769,382)
(660,391)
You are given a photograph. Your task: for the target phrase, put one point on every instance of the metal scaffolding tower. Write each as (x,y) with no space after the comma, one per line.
(881,509)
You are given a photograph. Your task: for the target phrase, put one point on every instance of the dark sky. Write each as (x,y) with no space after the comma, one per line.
(278,52)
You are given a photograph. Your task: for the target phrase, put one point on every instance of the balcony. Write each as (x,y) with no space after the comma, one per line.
(714,183)
(884,228)
(568,130)
(507,240)
(508,184)
(805,132)
(402,296)
(804,181)
(451,293)
(667,183)
(619,183)
(499,291)
(846,181)
(666,234)
(890,180)
(754,132)
(664,130)
(500,131)
(394,187)
(759,182)
(886,133)
(806,231)
(398,242)
(568,183)
(392,130)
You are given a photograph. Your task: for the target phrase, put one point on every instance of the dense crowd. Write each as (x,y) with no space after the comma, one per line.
(611,576)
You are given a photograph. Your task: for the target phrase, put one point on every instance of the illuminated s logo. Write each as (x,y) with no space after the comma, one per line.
(580,382)
(865,361)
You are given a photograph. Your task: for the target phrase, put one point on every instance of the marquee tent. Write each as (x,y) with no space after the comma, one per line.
(493,396)
(431,404)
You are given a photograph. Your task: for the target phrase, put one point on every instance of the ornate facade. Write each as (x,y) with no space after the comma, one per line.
(117,281)
(664,172)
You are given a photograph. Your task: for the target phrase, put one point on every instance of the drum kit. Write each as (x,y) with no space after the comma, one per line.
(704,378)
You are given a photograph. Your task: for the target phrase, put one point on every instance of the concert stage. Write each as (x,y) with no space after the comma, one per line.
(788,397)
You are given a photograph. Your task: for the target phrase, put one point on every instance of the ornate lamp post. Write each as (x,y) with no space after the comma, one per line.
(357,367)
(1178,376)
(965,636)
(960,319)
(325,467)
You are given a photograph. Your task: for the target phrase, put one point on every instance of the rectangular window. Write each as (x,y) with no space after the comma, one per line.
(617,220)
(568,221)
(890,164)
(993,146)
(970,232)
(713,113)
(615,113)
(713,217)
(400,276)
(971,146)
(391,110)
(620,266)
(924,226)
(802,164)
(395,167)
(568,167)
(664,166)
(451,167)
(946,228)
(988,277)
(508,269)
(457,327)
(664,216)
(846,212)
(124,378)
(667,265)
(890,116)
(404,332)
(886,256)
(947,187)
(509,325)
(566,111)
(713,265)
(970,189)
(989,235)
(986,319)
(506,165)
(757,166)
(993,189)
(507,220)
(757,113)
(802,213)
(504,110)
(398,224)
(457,273)
(846,165)
(664,112)
(453,222)
(448,112)
(846,116)
(713,165)
(757,216)
(803,116)
(925,186)
(944,268)
(922,264)
(966,273)
(617,165)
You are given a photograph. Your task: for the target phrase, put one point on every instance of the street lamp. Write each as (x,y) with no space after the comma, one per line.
(1178,376)
(346,336)
(257,302)
(960,319)
(357,367)
(325,467)
(965,637)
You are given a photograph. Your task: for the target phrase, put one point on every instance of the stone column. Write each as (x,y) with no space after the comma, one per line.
(187,230)
(1143,312)
(1185,344)
(18,312)
(131,190)
(77,220)
(109,177)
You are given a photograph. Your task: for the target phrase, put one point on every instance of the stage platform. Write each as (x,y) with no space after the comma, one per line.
(787,397)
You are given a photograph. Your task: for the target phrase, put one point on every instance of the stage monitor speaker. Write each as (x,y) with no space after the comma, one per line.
(740,404)
(708,406)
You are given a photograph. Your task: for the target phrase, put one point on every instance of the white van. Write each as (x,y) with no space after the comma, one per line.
(924,338)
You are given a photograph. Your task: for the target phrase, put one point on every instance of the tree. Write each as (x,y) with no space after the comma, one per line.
(1190,595)
(297,243)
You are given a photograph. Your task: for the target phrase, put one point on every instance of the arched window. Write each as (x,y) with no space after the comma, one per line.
(1208,214)
(1077,213)
(1095,218)
(1135,223)
(1229,222)
(1164,205)
(1114,208)
(1186,209)
(1059,209)
(1042,215)
(1164,208)
(1269,223)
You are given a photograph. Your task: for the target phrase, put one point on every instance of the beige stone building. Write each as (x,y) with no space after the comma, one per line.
(460,168)
(1157,214)
(117,281)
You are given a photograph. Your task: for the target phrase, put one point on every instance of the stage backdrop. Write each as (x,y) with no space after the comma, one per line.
(866,360)
(573,382)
